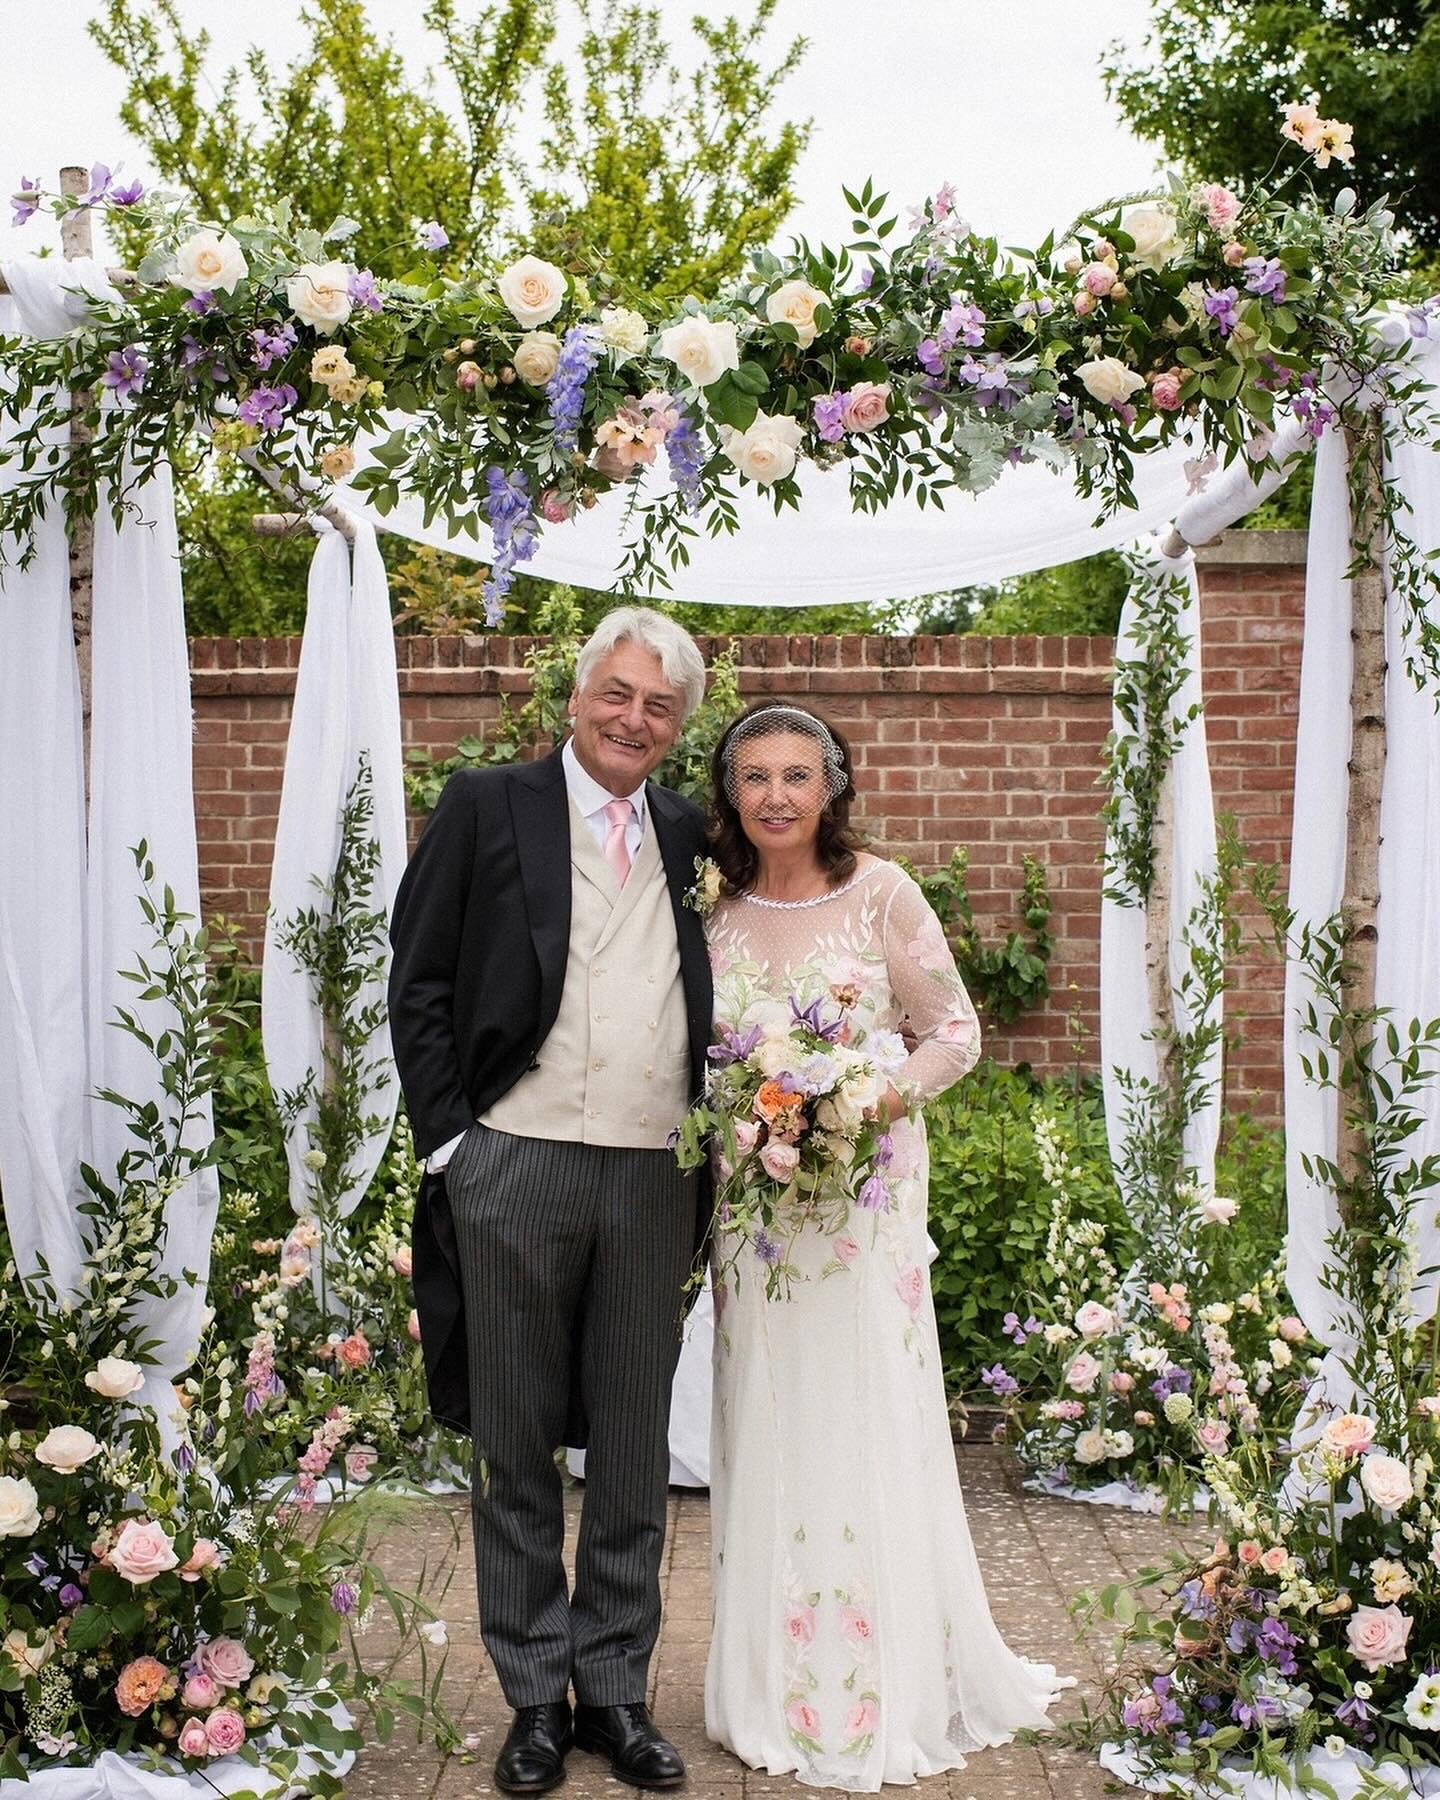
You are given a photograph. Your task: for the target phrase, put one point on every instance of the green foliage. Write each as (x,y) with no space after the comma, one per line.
(1003,980)
(990,1206)
(1080,598)
(1210,82)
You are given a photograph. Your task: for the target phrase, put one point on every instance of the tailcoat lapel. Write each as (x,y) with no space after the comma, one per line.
(540,810)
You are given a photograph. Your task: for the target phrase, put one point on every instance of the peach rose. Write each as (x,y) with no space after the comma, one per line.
(1348,1434)
(1275,1560)
(141,1684)
(533,290)
(794,304)
(1377,1635)
(210,262)
(354,1351)
(536,357)
(403,1261)
(336,461)
(142,1551)
(867,406)
(319,295)
(1249,1552)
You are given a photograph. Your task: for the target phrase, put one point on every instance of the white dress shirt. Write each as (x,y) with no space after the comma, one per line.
(589,799)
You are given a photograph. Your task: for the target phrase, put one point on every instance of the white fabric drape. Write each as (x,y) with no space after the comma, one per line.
(1125,1004)
(141,789)
(827,553)
(42,826)
(1352,1775)
(1407,977)
(347,706)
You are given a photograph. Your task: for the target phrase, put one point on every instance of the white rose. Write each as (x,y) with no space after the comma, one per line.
(701,349)
(623,329)
(1093,1320)
(1153,229)
(794,304)
(1119,1443)
(1281,1355)
(67,1448)
(209,261)
(1055,1335)
(1217,1210)
(534,290)
(113,1378)
(1387,1481)
(19,1507)
(32,1658)
(319,295)
(766,452)
(1109,381)
(535,357)
(773,1055)
(1091,1447)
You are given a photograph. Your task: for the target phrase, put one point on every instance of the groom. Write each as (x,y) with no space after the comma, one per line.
(550,1012)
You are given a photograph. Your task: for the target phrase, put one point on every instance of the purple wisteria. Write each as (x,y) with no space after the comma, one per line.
(270,343)
(685,451)
(266,407)
(511,515)
(126,372)
(565,390)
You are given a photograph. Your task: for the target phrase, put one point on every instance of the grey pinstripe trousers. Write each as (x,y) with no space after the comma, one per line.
(573,1259)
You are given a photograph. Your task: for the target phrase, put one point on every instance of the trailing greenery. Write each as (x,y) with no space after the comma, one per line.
(1003,980)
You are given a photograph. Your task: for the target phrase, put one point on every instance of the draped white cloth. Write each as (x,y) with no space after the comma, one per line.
(1125,1006)
(1350,1776)
(1407,977)
(347,706)
(827,553)
(70,918)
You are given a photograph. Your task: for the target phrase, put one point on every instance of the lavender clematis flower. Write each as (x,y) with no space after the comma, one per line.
(874,1195)
(126,372)
(25,201)
(829,412)
(267,406)
(200,303)
(100,177)
(733,1048)
(809,1016)
(271,342)
(126,195)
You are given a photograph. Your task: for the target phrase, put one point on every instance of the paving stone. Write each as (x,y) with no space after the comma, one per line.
(1036,1552)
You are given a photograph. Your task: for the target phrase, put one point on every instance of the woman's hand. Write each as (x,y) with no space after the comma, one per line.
(890,1106)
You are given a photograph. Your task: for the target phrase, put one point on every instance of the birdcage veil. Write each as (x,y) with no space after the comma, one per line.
(771,721)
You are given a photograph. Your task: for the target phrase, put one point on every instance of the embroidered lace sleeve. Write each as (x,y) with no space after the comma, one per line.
(931,994)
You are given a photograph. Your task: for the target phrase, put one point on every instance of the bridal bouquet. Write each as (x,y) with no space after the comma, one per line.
(791,1109)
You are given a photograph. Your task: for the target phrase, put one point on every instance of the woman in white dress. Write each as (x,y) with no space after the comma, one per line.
(852,1643)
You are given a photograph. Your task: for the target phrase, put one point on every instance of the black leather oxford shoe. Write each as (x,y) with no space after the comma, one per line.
(627,1735)
(532,1760)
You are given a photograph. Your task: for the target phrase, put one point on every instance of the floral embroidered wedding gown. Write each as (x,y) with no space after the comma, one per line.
(852,1642)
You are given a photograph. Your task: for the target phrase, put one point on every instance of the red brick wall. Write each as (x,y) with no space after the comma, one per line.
(989,742)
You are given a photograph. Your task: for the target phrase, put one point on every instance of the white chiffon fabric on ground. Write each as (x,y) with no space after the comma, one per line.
(1351,1776)
(346,704)
(1032,518)
(852,1642)
(1125,1013)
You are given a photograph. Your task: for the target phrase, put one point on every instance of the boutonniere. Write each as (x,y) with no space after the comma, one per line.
(706,891)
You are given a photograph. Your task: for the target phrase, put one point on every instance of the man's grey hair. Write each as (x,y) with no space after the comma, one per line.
(683,666)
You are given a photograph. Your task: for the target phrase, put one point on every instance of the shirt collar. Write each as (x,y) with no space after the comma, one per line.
(587,793)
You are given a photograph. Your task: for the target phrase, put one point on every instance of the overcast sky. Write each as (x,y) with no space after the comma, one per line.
(1001,97)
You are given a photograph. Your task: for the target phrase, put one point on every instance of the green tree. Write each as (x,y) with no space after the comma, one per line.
(668,180)
(1083,598)
(1210,81)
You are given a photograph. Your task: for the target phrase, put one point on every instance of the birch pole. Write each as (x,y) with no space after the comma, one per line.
(76,240)
(1361,892)
(1157,926)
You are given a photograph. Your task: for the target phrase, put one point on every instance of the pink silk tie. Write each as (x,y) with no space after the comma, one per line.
(619,813)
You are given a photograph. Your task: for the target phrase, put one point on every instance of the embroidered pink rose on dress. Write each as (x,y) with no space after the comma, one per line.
(911,1288)
(929,950)
(855,1625)
(800,1624)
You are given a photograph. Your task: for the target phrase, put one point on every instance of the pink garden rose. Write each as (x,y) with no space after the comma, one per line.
(1121,1383)
(142,1551)
(746,1134)
(1094,1320)
(412,1325)
(192,1740)
(402,1262)
(1165,393)
(201,1692)
(862,1717)
(856,1625)
(553,507)
(360,1459)
(1348,1434)
(205,1555)
(803,1719)
(1144,1418)
(911,1288)
(1291,1329)
(779,1161)
(225,1660)
(1249,1552)
(224,1731)
(1082,1373)
(141,1684)
(846,1248)
(1276,1558)
(354,1351)
(867,406)
(1214,1436)
(1222,208)
(1377,1635)
(1233,253)
(1099,278)
(800,1624)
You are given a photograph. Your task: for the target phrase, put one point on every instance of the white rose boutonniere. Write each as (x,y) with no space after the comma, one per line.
(702,896)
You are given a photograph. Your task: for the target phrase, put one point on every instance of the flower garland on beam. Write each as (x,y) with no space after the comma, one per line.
(926,363)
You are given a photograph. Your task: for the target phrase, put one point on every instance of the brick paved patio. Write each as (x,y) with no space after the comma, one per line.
(1036,1553)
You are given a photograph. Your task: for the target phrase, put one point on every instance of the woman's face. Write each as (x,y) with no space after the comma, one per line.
(779,789)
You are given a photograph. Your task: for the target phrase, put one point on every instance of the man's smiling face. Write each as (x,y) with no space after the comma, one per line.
(626,718)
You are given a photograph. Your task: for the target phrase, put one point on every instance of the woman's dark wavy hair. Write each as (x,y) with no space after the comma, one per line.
(736,857)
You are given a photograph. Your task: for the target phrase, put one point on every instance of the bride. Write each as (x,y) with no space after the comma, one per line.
(852,1643)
